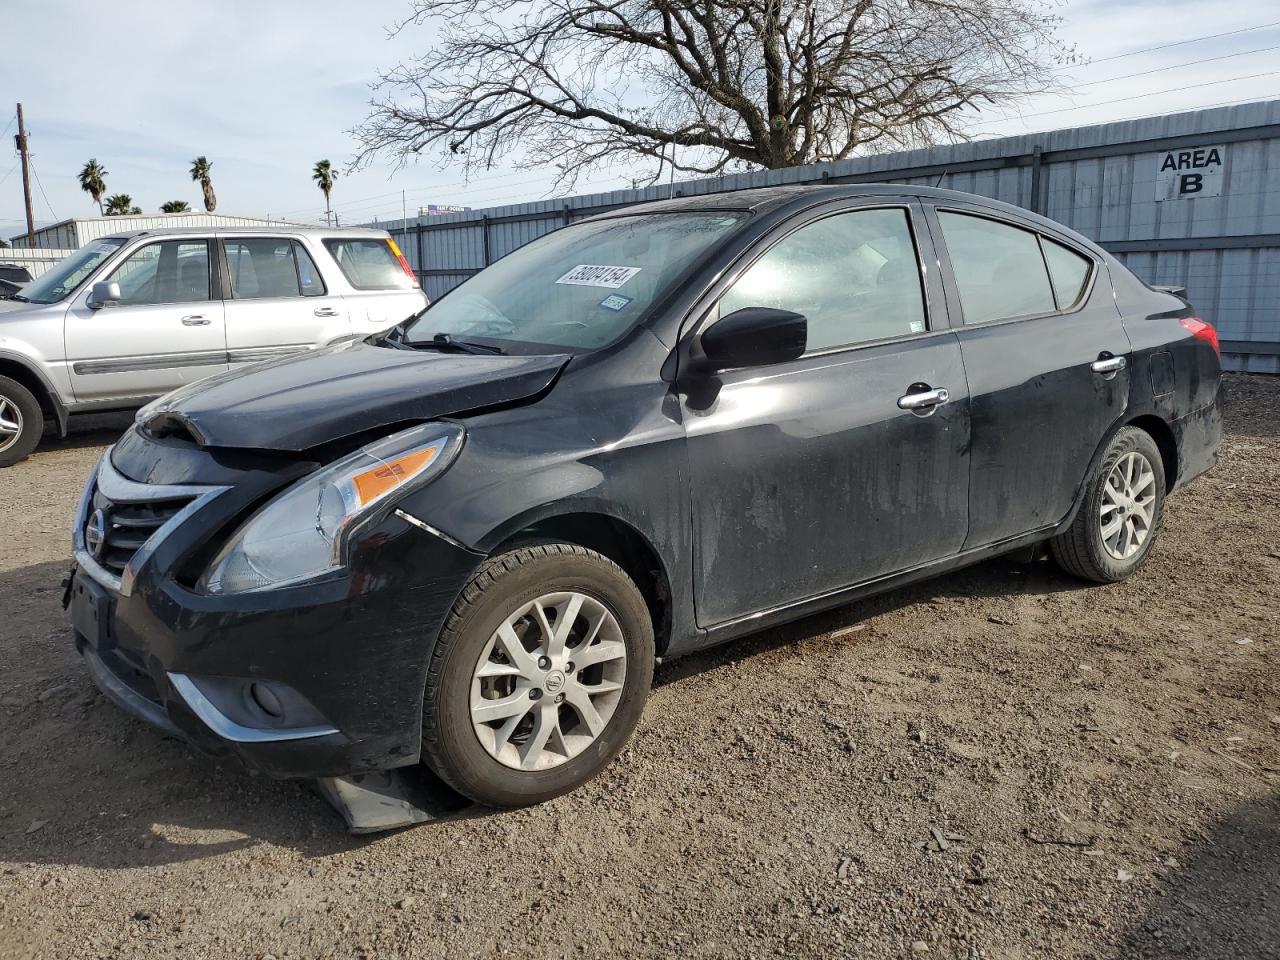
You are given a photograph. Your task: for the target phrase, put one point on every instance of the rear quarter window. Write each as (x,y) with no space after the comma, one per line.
(368,263)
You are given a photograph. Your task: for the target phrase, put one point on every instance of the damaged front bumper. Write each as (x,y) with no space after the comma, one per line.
(316,680)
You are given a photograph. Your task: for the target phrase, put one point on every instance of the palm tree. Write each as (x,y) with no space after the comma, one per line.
(200,168)
(93,181)
(175,206)
(121,204)
(324,175)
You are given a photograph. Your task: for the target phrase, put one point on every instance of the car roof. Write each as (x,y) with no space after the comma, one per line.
(227,230)
(761,200)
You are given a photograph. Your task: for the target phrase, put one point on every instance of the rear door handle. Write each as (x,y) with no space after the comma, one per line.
(1106,364)
(195,320)
(924,399)
(325,312)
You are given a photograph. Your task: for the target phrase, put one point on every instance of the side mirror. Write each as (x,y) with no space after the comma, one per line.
(753,337)
(101,294)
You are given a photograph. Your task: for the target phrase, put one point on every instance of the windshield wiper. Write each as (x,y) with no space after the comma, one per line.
(445,341)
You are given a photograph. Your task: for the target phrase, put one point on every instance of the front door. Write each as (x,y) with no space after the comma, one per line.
(1046,356)
(278,303)
(814,475)
(165,331)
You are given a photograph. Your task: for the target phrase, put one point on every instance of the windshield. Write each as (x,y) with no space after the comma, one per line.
(581,287)
(63,278)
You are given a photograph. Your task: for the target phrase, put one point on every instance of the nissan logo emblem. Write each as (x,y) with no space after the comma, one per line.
(95,534)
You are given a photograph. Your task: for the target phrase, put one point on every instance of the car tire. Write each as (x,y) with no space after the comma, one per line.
(21,422)
(477,733)
(1126,489)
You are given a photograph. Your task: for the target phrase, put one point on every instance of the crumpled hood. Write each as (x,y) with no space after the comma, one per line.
(306,400)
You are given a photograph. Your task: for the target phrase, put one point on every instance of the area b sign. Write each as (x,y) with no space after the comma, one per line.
(1188,174)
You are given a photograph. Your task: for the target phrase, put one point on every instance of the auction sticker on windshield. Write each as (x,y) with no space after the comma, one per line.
(597,275)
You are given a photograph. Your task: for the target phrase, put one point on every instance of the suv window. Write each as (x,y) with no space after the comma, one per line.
(998,268)
(854,276)
(63,278)
(171,271)
(263,267)
(369,264)
(1069,272)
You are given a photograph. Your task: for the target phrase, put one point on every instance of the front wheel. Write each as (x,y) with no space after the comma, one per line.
(21,422)
(539,676)
(1117,524)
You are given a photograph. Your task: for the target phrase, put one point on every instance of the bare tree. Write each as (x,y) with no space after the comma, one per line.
(708,86)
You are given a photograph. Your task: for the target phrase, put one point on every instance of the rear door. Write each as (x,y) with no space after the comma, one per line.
(1046,357)
(811,476)
(278,302)
(166,330)
(381,287)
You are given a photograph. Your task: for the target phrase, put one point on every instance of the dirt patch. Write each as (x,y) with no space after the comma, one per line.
(1001,763)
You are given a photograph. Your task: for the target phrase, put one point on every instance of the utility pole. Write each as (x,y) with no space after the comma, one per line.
(20,141)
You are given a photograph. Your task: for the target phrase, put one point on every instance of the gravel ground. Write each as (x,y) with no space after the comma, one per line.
(1099,763)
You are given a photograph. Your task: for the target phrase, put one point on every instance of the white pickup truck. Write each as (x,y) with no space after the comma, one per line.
(134,315)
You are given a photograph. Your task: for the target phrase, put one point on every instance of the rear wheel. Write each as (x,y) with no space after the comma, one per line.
(1118,522)
(539,676)
(21,422)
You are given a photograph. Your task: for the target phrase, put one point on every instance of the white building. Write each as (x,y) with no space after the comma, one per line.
(75,233)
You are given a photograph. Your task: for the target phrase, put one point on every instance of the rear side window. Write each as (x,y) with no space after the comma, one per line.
(262,267)
(854,276)
(368,263)
(998,268)
(308,276)
(1069,272)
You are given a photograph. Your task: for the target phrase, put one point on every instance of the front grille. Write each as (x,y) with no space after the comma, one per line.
(126,526)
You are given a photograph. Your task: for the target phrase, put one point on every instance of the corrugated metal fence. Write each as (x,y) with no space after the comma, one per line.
(36,261)
(1219,237)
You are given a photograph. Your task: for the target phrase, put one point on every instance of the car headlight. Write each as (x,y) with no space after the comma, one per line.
(303,533)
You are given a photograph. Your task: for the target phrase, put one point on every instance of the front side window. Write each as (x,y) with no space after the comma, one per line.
(174,271)
(62,279)
(854,276)
(998,268)
(262,267)
(369,264)
(581,287)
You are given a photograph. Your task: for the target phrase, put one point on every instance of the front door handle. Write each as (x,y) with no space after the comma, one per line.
(325,312)
(924,400)
(195,320)
(1108,365)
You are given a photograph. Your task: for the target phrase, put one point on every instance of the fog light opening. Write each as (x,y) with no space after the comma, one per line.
(265,699)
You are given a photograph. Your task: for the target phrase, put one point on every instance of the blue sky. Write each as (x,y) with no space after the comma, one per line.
(266,88)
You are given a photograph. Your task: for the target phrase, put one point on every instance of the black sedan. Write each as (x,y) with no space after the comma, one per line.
(466,542)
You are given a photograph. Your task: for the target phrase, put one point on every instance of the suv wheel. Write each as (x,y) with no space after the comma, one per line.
(1118,522)
(21,422)
(539,676)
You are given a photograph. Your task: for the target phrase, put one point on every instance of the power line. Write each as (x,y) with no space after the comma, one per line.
(1179,43)
(1136,116)
(11,169)
(42,193)
(1179,66)
(1140,96)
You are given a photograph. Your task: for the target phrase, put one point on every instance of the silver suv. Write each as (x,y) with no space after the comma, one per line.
(132,316)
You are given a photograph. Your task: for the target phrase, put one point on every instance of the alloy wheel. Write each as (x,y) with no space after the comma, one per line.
(548,681)
(1128,506)
(10,423)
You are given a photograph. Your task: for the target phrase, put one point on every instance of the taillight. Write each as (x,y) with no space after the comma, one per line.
(404,264)
(1202,331)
